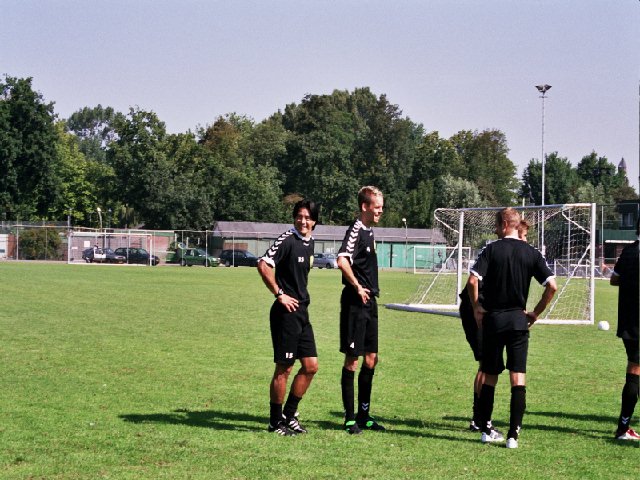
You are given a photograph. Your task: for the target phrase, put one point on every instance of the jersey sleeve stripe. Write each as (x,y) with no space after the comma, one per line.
(276,245)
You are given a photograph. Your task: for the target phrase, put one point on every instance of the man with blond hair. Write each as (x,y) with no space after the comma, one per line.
(359,310)
(506,268)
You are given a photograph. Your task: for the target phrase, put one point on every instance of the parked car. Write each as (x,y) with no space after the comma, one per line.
(102,255)
(325,260)
(188,257)
(238,258)
(137,255)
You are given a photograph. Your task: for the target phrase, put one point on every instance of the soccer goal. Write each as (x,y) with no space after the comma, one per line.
(565,234)
(81,241)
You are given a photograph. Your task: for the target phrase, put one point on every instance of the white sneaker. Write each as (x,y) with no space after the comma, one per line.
(492,437)
(630,434)
(512,443)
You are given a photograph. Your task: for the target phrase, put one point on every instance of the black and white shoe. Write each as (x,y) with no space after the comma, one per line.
(294,425)
(473,427)
(282,430)
(492,437)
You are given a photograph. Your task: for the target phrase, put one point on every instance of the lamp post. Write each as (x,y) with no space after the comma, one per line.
(109,226)
(406,245)
(99,210)
(543,89)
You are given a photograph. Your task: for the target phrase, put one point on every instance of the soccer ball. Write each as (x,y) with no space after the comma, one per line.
(603,325)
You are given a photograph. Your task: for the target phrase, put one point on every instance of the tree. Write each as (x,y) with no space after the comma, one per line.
(28,156)
(485,155)
(142,169)
(561,181)
(457,193)
(78,181)
(342,141)
(319,163)
(95,130)
(419,205)
(599,171)
(247,183)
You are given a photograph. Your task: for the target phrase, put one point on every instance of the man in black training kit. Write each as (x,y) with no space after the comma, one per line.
(506,267)
(473,334)
(291,332)
(625,275)
(359,310)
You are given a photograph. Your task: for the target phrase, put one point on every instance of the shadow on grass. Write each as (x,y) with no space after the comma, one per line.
(205,419)
(600,426)
(409,427)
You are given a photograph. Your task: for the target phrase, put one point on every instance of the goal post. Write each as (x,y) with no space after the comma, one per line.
(565,234)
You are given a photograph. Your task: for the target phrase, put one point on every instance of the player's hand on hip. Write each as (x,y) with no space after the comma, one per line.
(364,293)
(531,318)
(290,303)
(478,314)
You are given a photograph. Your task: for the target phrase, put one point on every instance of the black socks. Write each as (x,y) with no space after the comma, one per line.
(291,406)
(275,414)
(365,380)
(347,393)
(629,400)
(487,395)
(518,406)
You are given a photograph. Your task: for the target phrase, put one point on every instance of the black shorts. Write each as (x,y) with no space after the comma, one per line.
(291,334)
(471,330)
(358,325)
(633,350)
(493,345)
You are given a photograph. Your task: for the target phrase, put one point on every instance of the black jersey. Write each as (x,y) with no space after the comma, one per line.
(506,268)
(292,257)
(360,247)
(465,299)
(628,297)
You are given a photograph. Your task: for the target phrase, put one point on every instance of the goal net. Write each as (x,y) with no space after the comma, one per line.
(565,234)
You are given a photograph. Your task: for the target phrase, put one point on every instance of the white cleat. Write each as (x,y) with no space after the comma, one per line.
(492,437)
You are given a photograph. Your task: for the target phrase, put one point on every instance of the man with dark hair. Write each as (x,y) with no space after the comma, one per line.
(625,275)
(291,255)
(359,310)
(506,267)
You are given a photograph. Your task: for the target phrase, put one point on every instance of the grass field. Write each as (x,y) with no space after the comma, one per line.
(138,372)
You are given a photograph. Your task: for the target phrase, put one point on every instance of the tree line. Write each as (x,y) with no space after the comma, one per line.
(324,147)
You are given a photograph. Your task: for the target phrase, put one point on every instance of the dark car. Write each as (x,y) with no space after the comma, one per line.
(137,255)
(238,258)
(102,255)
(194,256)
(325,260)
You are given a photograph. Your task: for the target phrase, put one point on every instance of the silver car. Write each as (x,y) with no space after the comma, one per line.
(325,260)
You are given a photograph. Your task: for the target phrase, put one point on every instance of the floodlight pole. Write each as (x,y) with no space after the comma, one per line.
(543,89)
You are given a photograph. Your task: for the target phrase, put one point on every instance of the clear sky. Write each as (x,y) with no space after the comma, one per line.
(448,64)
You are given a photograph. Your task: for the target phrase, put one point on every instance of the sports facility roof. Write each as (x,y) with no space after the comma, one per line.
(259,230)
